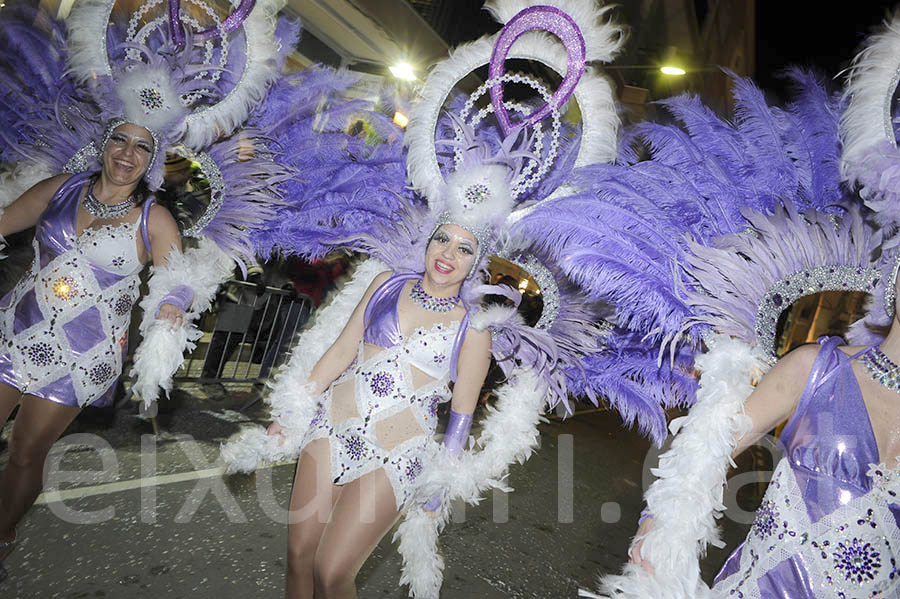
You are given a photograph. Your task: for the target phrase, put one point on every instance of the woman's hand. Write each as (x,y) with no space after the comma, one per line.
(173,314)
(274,429)
(634,553)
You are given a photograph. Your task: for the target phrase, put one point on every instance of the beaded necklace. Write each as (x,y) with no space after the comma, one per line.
(436,304)
(881,368)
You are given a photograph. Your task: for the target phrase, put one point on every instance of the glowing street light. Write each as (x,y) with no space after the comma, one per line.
(672,70)
(400,119)
(403,71)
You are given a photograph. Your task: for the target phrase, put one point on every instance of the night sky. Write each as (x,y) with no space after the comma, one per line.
(812,34)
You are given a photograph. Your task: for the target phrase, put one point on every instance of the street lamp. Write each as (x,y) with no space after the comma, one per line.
(672,70)
(404,71)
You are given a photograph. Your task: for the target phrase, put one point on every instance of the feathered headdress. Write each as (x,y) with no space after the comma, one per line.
(871,160)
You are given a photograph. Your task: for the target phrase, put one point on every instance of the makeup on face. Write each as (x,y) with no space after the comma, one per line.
(451,250)
(128,151)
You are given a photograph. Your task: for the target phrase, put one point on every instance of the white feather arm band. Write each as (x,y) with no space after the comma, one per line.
(293,406)
(687,498)
(509,434)
(161,352)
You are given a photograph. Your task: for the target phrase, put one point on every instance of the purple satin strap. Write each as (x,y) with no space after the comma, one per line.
(57,229)
(145,218)
(232,22)
(181,297)
(504,290)
(544,18)
(382,325)
(457,344)
(829,439)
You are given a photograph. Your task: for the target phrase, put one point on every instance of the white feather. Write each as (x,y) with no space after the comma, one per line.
(687,498)
(86,43)
(509,434)
(293,406)
(19,178)
(206,125)
(602,38)
(866,122)
(132,84)
(161,352)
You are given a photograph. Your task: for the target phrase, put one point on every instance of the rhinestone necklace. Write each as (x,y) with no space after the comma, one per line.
(881,368)
(429,302)
(106,211)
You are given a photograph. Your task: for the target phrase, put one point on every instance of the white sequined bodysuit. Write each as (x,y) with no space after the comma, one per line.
(382,411)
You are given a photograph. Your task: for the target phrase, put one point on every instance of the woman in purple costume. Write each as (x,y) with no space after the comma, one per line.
(382,381)
(828,524)
(63,328)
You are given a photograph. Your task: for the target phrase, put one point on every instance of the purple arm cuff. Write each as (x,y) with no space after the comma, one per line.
(455,439)
(457,432)
(181,297)
(645,514)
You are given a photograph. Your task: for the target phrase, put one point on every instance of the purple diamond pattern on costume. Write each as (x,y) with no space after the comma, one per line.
(382,384)
(766,520)
(41,353)
(28,313)
(104,278)
(85,330)
(859,562)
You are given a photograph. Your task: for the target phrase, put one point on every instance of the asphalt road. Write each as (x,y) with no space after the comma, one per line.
(139,513)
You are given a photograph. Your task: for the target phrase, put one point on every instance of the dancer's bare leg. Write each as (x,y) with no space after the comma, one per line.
(37,427)
(363,514)
(9,399)
(312,499)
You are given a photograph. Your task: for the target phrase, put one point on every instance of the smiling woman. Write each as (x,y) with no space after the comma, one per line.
(104,115)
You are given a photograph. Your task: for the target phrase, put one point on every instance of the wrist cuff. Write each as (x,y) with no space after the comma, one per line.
(181,296)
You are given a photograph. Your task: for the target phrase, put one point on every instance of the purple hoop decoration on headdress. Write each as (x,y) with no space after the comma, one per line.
(234,20)
(542,18)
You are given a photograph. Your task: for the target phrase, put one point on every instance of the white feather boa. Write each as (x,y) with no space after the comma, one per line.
(687,498)
(161,352)
(16,180)
(509,434)
(293,406)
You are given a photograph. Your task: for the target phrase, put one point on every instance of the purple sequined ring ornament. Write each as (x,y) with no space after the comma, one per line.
(413,469)
(356,447)
(474,195)
(382,384)
(151,99)
(100,373)
(765,522)
(859,562)
(429,302)
(41,354)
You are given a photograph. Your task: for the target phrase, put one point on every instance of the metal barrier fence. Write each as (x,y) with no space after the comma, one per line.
(247,336)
